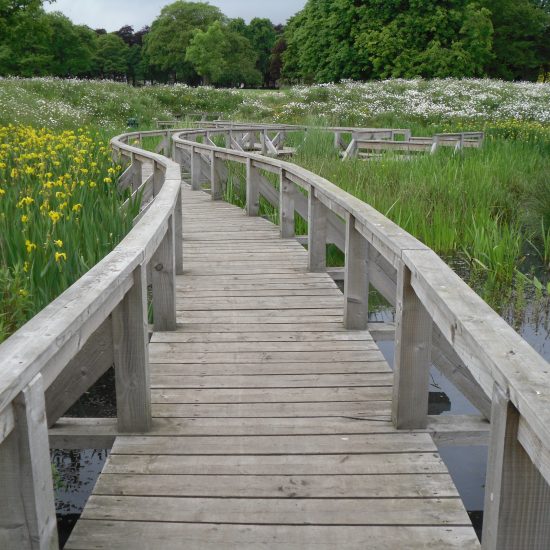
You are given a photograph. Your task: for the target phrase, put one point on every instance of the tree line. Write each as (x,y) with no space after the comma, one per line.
(327,41)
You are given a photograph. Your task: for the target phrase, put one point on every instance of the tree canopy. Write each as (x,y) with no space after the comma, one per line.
(327,41)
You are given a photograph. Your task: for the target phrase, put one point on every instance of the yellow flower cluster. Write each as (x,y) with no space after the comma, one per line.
(53,214)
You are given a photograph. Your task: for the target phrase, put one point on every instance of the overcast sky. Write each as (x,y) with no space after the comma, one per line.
(113,14)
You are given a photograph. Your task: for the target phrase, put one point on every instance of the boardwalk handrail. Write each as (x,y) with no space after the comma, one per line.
(100,320)
(430,299)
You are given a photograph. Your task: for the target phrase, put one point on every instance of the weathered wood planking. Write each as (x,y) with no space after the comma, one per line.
(270,420)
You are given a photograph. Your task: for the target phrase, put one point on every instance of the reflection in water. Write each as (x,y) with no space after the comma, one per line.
(76,473)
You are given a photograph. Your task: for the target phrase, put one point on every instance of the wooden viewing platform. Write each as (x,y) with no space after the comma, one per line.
(260,413)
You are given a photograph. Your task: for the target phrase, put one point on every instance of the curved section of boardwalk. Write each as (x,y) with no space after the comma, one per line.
(271,421)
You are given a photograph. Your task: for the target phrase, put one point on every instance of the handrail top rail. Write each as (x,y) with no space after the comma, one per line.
(491,350)
(56,333)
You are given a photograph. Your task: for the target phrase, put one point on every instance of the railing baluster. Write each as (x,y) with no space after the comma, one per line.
(286,206)
(130,343)
(164,282)
(27,508)
(196,164)
(517,498)
(356,280)
(178,234)
(317,233)
(158,178)
(252,189)
(216,188)
(413,337)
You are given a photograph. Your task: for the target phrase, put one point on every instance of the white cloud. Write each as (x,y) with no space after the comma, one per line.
(113,14)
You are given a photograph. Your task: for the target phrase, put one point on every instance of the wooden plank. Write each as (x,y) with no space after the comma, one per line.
(80,433)
(276,511)
(293,486)
(517,497)
(305,464)
(126,535)
(366,365)
(282,445)
(272,381)
(268,410)
(261,347)
(130,343)
(166,353)
(211,336)
(206,396)
(413,333)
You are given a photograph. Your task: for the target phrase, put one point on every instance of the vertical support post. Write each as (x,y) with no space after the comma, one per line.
(263,141)
(158,177)
(337,140)
(178,234)
(252,189)
(137,173)
(356,279)
(164,282)
(131,357)
(413,339)
(228,140)
(195,169)
(287,190)
(27,508)
(517,497)
(317,233)
(216,188)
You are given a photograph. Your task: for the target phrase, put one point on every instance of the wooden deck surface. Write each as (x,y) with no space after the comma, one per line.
(271,422)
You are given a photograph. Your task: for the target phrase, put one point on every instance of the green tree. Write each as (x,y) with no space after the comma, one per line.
(72,47)
(207,53)
(112,56)
(521,39)
(171,33)
(335,39)
(224,57)
(262,37)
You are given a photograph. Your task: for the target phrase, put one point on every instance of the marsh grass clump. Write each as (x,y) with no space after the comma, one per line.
(60,213)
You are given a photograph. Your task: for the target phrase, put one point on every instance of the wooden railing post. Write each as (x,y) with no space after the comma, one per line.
(413,338)
(164,282)
(287,196)
(517,497)
(131,357)
(27,507)
(252,189)
(216,187)
(263,141)
(317,233)
(158,178)
(137,173)
(178,234)
(356,279)
(196,163)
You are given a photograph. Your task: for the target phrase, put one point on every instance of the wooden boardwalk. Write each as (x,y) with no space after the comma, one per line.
(271,422)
